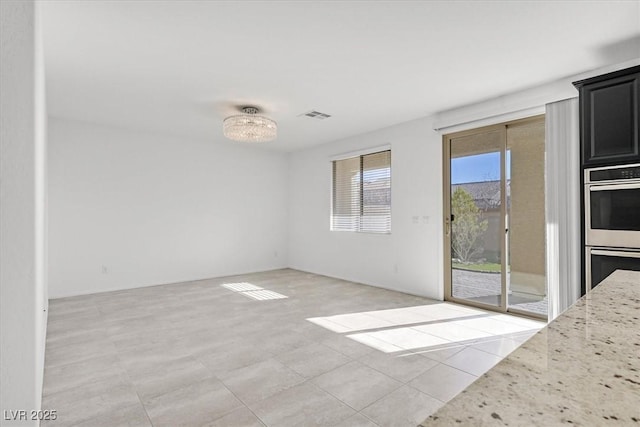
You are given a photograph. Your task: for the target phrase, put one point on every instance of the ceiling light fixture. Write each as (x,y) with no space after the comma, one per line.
(250,127)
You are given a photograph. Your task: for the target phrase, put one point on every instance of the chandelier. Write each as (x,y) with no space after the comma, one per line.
(249,127)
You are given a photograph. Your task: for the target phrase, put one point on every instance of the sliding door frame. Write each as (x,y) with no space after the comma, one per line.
(446,181)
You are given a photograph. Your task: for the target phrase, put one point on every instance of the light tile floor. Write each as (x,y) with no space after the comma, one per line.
(301,350)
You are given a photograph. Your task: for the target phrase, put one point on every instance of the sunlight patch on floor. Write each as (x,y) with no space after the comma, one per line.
(253,291)
(426,327)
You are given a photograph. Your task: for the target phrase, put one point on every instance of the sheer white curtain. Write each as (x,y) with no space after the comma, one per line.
(562,204)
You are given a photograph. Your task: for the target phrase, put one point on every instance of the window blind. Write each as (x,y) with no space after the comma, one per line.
(362,193)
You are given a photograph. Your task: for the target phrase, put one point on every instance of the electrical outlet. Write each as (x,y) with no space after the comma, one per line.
(105,270)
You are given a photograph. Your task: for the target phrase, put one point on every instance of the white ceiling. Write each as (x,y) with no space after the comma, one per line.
(180,67)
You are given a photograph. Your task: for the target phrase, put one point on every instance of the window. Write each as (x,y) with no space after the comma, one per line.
(362,193)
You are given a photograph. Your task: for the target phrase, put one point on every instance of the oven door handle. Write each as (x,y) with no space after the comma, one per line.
(609,187)
(622,254)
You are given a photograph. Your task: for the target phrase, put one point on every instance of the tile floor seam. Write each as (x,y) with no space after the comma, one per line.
(144,408)
(464,326)
(442,363)
(243,404)
(489,332)
(492,354)
(408,386)
(322,373)
(424,392)
(216,376)
(389,376)
(337,367)
(264,398)
(424,353)
(223,414)
(424,333)
(424,323)
(135,389)
(385,395)
(129,383)
(462,370)
(432,396)
(218,379)
(335,397)
(368,418)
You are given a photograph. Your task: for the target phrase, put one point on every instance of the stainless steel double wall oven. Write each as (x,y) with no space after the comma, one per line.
(612,221)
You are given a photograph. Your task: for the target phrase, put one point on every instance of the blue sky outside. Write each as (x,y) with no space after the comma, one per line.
(477,168)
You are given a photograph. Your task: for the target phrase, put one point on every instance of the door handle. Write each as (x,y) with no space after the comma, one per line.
(609,187)
(447,226)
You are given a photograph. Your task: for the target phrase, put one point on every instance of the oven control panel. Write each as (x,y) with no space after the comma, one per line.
(614,173)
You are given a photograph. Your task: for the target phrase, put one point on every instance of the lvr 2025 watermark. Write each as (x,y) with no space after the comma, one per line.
(24,415)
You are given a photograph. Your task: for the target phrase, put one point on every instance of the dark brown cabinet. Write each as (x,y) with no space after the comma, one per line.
(609,129)
(610,118)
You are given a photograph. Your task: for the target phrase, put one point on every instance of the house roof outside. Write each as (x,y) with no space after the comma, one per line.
(485,194)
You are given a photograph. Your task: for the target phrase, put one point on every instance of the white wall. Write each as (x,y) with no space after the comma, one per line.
(517,105)
(410,258)
(23,279)
(155,209)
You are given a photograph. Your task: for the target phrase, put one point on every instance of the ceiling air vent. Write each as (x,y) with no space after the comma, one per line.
(313,114)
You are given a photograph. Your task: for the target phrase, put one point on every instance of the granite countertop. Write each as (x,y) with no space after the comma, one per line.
(582,369)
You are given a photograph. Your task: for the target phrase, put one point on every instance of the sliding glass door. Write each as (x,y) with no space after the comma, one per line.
(494,217)
(475,222)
